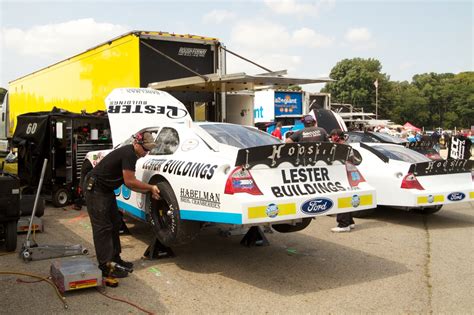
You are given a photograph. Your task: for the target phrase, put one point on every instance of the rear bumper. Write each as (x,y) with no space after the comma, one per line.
(255,211)
(422,198)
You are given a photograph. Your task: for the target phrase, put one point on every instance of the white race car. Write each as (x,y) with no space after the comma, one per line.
(226,173)
(407,179)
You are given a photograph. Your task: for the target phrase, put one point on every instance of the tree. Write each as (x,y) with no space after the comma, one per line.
(355,82)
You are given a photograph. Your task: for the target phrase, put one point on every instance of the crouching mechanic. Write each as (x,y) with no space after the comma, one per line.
(117,168)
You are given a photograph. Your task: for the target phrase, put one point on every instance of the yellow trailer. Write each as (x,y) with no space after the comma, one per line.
(135,59)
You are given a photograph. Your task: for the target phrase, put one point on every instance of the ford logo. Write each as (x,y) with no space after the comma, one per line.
(318,205)
(456,196)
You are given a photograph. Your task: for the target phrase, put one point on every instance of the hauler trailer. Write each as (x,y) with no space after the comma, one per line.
(135,59)
(64,138)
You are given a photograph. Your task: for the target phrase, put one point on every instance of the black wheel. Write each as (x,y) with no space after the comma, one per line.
(428,210)
(167,225)
(363,213)
(60,197)
(10,235)
(27,202)
(289,228)
(85,168)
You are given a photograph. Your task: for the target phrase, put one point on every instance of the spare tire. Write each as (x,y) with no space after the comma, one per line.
(165,219)
(27,203)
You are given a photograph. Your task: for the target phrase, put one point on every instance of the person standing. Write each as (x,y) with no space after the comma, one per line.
(277,132)
(345,221)
(117,168)
(310,133)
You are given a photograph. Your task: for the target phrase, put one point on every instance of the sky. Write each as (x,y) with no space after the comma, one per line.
(307,38)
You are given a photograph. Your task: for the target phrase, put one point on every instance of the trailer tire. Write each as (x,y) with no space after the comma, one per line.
(165,219)
(364,213)
(60,197)
(11,235)
(290,228)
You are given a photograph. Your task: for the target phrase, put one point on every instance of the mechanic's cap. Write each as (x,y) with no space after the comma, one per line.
(308,119)
(146,140)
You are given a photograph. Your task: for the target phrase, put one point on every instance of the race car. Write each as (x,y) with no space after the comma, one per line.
(226,173)
(409,180)
(425,147)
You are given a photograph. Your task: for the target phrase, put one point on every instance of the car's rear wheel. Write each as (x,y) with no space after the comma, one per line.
(289,228)
(165,219)
(428,210)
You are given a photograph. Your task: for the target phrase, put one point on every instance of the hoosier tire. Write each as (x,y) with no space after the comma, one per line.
(428,210)
(165,219)
(289,228)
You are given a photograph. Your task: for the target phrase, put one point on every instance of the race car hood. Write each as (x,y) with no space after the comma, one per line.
(132,109)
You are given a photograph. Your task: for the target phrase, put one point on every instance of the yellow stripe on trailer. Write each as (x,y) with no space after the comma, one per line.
(261,211)
(424,199)
(346,202)
(471,195)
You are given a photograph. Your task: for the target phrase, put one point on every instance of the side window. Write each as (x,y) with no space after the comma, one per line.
(167,140)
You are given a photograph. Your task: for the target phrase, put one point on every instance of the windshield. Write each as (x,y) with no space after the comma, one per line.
(400,153)
(239,136)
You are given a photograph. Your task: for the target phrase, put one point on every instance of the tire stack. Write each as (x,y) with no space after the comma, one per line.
(9,209)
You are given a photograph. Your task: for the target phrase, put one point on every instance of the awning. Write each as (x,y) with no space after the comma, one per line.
(231,83)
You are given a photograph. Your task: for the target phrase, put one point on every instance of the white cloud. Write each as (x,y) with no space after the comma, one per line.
(60,40)
(308,37)
(218,16)
(273,62)
(294,7)
(357,35)
(262,35)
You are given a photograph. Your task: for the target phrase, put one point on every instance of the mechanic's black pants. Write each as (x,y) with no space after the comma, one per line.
(106,222)
(344,219)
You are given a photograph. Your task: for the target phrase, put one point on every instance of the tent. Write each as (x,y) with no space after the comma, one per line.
(408,126)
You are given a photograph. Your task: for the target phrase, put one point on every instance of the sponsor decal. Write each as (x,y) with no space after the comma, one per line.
(261,212)
(456,196)
(192,52)
(189,169)
(153,164)
(306,181)
(135,107)
(126,192)
(189,144)
(272,210)
(430,198)
(289,103)
(316,206)
(437,167)
(306,153)
(202,198)
(355,201)
(82,284)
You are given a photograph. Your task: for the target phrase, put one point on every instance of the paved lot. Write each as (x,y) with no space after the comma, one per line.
(394,262)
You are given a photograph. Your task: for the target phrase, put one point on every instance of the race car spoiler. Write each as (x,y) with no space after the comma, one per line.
(307,153)
(450,166)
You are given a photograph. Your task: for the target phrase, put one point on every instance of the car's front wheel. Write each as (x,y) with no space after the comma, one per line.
(165,219)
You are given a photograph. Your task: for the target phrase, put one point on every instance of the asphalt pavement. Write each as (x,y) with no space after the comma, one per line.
(394,262)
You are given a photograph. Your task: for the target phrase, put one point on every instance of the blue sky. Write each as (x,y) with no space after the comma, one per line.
(307,38)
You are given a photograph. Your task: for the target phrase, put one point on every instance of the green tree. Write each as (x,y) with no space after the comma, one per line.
(354,83)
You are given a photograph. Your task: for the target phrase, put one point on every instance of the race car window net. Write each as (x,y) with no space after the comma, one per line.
(410,182)
(239,136)
(241,181)
(167,141)
(353,175)
(400,153)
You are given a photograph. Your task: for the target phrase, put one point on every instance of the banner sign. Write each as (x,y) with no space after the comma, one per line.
(288,104)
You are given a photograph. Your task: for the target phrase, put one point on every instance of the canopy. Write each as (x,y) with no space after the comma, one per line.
(409,126)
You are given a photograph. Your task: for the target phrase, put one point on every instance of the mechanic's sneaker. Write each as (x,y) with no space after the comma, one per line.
(126,264)
(352,226)
(338,229)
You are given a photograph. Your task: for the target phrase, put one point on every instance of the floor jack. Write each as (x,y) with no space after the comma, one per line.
(32,251)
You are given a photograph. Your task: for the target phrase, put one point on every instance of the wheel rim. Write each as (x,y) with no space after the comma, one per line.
(160,217)
(62,197)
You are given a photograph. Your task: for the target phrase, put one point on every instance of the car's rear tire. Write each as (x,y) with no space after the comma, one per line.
(290,228)
(165,219)
(428,210)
